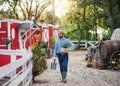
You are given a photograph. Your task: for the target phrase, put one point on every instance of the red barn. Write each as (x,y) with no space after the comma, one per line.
(18,35)
(8,39)
(16,39)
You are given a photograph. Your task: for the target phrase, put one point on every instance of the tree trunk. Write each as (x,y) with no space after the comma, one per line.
(84,13)
(110,7)
(80,29)
(16,15)
(33,79)
(80,37)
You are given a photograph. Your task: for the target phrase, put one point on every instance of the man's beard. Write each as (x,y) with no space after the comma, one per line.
(60,37)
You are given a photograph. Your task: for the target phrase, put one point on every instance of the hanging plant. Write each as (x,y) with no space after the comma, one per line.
(8,41)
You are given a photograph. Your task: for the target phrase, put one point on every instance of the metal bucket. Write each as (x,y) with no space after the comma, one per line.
(53,65)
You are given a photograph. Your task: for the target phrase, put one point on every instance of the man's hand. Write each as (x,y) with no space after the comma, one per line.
(54,58)
(65,50)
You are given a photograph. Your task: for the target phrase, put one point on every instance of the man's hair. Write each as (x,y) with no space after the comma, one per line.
(62,32)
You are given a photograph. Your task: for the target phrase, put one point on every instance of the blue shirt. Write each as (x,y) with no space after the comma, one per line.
(60,42)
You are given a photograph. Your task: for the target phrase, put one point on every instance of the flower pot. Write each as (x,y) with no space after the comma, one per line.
(95,64)
(89,59)
(64,50)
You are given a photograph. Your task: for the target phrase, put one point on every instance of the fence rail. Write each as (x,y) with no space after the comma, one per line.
(82,44)
(24,76)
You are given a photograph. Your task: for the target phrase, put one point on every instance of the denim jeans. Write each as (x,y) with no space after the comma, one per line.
(63,61)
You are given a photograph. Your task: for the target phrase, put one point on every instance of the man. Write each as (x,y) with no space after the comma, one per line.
(62,53)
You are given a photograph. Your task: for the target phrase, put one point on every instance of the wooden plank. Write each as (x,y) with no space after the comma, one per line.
(2,45)
(21,77)
(3,80)
(2,31)
(13,66)
(29,82)
(15,52)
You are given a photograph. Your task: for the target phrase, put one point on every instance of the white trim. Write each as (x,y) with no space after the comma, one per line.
(21,77)
(91,43)
(45,35)
(25,33)
(12,66)
(8,28)
(11,20)
(29,81)
(44,26)
(2,31)
(15,52)
(0,25)
(20,38)
(13,33)
(55,33)
(3,45)
(31,34)
(6,20)
(50,25)
(35,28)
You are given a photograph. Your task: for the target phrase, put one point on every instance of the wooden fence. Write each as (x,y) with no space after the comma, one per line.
(82,44)
(9,76)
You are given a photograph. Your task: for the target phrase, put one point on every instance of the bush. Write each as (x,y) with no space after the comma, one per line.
(39,59)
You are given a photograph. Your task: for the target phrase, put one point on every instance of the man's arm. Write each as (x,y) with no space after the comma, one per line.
(71,48)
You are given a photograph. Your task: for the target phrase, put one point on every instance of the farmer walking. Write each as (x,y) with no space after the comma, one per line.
(62,47)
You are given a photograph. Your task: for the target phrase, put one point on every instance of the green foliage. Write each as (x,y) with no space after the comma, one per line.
(25,7)
(47,17)
(53,40)
(107,35)
(118,64)
(8,41)
(39,59)
(7,14)
(77,22)
(65,46)
(1,2)
(87,15)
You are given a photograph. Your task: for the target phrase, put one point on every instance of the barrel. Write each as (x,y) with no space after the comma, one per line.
(108,47)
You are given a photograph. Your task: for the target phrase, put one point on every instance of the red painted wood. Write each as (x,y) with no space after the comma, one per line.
(4,60)
(3,36)
(50,36)
(15,41)
(19,68)
(4,24)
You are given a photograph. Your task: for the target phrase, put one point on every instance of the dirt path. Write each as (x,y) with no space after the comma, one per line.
(78,74)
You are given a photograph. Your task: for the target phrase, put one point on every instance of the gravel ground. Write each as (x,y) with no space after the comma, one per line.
(78,74)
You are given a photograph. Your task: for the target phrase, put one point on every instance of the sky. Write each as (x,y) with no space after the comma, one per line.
(61,7)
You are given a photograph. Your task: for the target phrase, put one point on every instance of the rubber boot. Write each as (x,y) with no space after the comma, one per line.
(64,77)
(62,74)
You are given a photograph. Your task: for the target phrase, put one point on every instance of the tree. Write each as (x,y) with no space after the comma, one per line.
(2,2)
(88,15)
(13,4)
(27,8)
(76,18)
(46,17)
(114,11)
(7,14)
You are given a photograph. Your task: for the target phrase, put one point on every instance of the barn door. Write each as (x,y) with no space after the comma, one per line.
(3,34)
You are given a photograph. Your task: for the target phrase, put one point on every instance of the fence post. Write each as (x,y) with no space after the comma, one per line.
(13,59)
